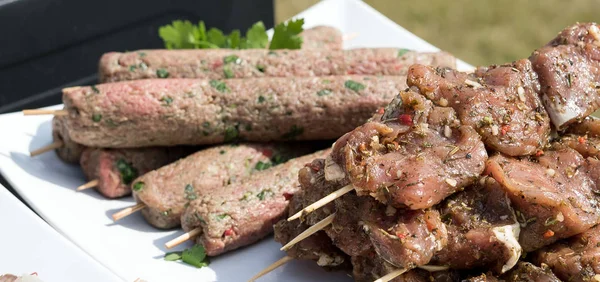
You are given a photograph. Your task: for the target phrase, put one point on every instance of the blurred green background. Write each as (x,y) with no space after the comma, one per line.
(479,32)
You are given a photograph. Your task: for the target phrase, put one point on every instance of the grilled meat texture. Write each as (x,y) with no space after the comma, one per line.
(569,72)
(243,213)
(576,259)
(168,189)
(116,169)
(500,102)
(527,272)
(254,63)
(481,226)
(589,127)
(554,195)
(197,112)
(317,247)
(414,157)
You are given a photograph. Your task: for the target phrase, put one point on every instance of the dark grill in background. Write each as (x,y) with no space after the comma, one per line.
(47,45)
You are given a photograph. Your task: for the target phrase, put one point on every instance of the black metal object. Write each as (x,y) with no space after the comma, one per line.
(47,45)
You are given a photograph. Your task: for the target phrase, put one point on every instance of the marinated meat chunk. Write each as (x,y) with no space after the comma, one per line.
(314,186)
(569,73)
(346,230)
(488,277)
(406,239)
(413,157)
(317,247)
(527,272)
(168,189)
(243,213)
(369,267)
(589,126)
(586,146)
(500,102)
(482,229)
(576,259)
(555,195)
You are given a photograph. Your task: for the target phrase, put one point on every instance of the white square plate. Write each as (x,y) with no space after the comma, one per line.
(30,245)
(132,248)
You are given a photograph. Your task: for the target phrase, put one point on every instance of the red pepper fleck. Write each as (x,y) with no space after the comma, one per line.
(581,140)
(539,153)
(400,235)
(381,111)
(228,232)
(505,129)
(267,152)
(288,196)
(405,119)
(217,64)
(548,234)
(34,274)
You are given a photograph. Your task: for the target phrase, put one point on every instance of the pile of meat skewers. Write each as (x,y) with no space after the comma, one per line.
(156,127)
(463,177)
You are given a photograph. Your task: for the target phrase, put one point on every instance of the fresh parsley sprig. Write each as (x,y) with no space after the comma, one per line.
(195,256)
(186,35)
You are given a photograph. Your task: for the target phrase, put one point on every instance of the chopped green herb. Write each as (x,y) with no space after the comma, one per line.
(128,173)
(260,68)
(132,68)
(402,51)
(111,123)
(138,186)
(189,192)
(95,89)
(219,85)
(264,193)
(326,81)
(262,166)
(246,196)
(569,80)
(167,100)
(324,92)
(353,85)
(173,256)
(222,152)
(222,216)
(248,127)
(142,54)
(294,132)
(162,73)
(96,117)
(261,99)
(206,124)
(227,72)
(272,53)
(278,159)
(550,221)
(231,133)
(487,120)
(195,256)
(232,59)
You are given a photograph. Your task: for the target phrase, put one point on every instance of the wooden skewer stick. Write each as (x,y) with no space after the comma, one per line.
(88,185)
(391,275)
(188,235)
(45,112)
(271,267)
(309,231)
(324,201)
(349,36)
(127,211)
(48,148)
